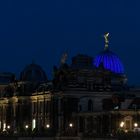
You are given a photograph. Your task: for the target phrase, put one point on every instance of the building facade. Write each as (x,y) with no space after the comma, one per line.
(89,97)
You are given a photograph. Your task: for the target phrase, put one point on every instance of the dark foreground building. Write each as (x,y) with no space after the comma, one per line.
(89,97)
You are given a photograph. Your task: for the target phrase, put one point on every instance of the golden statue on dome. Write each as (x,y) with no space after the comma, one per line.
(106,40)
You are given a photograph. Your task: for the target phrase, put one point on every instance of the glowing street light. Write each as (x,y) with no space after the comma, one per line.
(122,124)
(33,124)
(71,125)
(8,126)
(26,126)
(47,125)
(135,124)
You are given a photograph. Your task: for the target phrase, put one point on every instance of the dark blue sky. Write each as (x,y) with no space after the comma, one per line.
(43,29)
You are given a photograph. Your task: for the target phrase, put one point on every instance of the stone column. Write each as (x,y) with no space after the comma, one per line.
(110,124)
(94,125)
(85,121)
(44,111)
(78,126)
(101,125)
(37,113)
(4,119)
(14,117)
(60,117)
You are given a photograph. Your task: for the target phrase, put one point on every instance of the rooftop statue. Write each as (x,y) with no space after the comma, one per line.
(106,40)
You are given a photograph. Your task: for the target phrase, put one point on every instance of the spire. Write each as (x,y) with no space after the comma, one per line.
(106,40)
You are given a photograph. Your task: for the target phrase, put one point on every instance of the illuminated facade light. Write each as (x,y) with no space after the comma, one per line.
(47,125)
(70,125)
(126,131)
(135,125)
(0,124)
(122,124)
(33,124)
(4,127)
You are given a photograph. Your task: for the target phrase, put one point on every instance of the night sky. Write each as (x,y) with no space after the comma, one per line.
(42,30)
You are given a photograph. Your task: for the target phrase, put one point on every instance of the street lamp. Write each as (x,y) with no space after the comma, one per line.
(47,125)
(26,126)
(8,126)
(71,125)
(135,124)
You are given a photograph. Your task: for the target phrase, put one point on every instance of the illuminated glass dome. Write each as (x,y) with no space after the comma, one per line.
(110,61)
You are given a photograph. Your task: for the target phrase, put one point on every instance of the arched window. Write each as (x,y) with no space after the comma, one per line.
(90,105)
